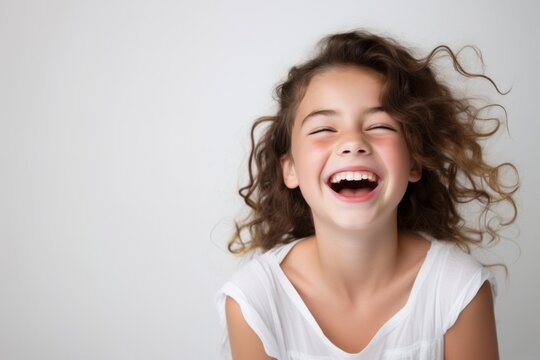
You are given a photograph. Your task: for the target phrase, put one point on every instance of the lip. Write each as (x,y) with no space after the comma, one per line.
(359,198)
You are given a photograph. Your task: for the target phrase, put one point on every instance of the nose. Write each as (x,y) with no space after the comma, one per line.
(354,145)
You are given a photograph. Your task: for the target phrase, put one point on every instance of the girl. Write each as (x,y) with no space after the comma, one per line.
(354,189)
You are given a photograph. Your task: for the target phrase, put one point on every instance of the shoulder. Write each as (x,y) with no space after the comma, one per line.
(458,269)
(245,343)
(247,302)
(251,287)
(457,277)
(258,277)
(474,335)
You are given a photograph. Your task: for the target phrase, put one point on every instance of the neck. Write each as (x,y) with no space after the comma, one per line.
(356,263)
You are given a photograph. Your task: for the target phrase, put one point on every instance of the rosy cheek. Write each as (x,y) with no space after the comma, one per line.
(398,157)
(310,157)
(319,145)
(317,154)
(313,145)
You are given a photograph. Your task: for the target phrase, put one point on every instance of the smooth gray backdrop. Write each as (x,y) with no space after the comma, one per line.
(124,135)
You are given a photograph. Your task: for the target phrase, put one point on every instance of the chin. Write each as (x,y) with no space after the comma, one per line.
(352,224)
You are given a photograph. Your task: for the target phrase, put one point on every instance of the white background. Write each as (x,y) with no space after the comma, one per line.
(124,136)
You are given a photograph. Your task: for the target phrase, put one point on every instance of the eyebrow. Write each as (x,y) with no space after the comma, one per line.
(330,112)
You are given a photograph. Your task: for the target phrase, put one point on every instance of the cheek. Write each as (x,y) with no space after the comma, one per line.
(398,157)
(309,161)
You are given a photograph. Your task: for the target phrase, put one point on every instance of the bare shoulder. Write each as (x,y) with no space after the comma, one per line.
(474,334)
(245,344)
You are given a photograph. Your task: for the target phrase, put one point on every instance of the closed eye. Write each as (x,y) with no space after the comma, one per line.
(382,127)
(321,130)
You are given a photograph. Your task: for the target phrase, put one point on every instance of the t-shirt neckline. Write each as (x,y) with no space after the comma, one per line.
(391,323)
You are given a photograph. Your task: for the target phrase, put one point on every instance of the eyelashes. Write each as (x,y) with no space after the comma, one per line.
(382,127)
(321,130)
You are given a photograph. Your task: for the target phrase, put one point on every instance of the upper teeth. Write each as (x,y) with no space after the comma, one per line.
(353,175)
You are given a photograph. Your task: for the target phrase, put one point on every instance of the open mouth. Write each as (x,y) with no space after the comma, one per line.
(353,183)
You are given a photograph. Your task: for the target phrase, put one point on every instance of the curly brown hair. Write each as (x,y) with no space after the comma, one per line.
(443,134)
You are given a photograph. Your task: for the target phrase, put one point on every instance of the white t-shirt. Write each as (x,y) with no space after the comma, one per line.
(447,281)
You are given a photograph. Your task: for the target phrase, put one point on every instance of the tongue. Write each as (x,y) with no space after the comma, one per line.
(354,192)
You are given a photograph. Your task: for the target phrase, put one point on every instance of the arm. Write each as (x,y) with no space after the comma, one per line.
(245,344)
(474,335)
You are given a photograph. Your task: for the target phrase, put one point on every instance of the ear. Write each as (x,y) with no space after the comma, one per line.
(289,172)
(416,171)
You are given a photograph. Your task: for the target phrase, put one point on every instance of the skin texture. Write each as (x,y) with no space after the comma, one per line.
(358,269)
(350,321)
(340,125)
(245,344)
(474,335)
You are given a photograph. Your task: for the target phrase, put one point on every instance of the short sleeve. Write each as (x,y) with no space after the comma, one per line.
(466,277)
(248,289)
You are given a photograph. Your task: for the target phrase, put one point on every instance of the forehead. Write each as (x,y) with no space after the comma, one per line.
(342,87)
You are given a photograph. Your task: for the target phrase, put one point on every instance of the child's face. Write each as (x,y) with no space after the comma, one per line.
(341,135)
